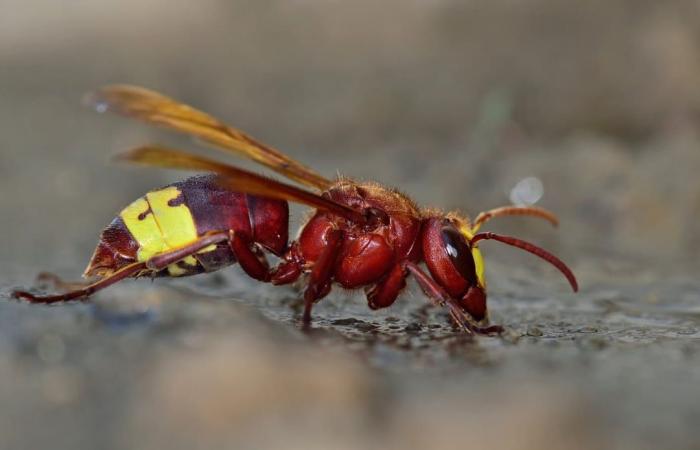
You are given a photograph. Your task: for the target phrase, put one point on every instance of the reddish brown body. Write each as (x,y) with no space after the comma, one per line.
(366,253)
(256,221)
(375,255)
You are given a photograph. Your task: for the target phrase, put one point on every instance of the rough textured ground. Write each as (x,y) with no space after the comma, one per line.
(192,366)
(454,103)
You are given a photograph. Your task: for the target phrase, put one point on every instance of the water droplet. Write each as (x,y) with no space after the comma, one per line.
(101,107)
(527,191)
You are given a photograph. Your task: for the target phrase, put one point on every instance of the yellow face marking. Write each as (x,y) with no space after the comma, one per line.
(479,262)
(476,253)
(141,223)
(466,231)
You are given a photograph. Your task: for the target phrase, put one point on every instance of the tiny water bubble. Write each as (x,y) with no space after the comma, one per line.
(101,107)
(527,191)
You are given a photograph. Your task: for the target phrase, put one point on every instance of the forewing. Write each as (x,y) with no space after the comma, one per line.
(153,107)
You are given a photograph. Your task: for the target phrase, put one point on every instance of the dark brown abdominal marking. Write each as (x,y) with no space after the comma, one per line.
(145,214)
(177,201)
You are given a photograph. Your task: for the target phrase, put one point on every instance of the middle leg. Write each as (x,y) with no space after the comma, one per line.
(384,293)
(322,273)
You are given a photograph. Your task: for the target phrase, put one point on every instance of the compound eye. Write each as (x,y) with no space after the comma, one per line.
(459,253)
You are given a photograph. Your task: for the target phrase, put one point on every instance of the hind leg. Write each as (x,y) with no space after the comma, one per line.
(82,293)
(57,283)
(156,263)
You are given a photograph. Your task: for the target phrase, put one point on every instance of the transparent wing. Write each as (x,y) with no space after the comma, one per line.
(153,107)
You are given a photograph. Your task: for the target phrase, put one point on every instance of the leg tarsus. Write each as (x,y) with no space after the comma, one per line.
(83,293)
(306,316)
(490,330)
(53,280)
(314,292)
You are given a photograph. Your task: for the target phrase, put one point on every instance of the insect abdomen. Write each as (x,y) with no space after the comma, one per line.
(178,214)
(155,223)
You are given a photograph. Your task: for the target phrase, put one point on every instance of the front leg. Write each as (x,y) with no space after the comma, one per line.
(438,296)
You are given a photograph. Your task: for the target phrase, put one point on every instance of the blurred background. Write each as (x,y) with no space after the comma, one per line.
(590,108)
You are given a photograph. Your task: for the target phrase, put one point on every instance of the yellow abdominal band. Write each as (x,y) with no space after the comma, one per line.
(159,227)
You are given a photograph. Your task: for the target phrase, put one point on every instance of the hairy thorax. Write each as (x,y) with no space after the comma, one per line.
(369,250)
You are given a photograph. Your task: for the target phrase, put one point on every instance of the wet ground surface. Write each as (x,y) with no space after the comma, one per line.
(220,360)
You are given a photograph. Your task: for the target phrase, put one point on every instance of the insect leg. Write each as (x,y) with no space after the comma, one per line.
(51,279)
(286,272)
(384,293)
(321,275)
(156,263)
(163,260)
(253,263)
(439,297)
(290,268)
(124,272)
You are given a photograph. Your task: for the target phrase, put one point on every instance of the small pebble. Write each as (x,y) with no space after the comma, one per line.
(413,327)
(347,321)
(534,331)
(588,330)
